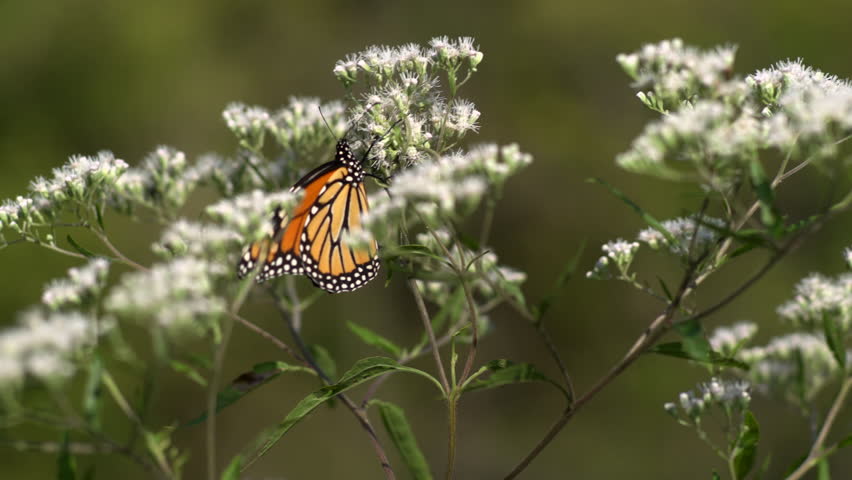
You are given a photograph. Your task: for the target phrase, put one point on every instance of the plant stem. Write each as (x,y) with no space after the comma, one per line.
(452,404)
(427,325)
(817,452)
(294,321)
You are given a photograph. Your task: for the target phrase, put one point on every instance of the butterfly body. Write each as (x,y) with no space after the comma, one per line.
(312,241)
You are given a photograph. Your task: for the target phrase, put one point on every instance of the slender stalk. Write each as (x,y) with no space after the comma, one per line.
(115,251)
(427,324)
(817,452)
(216,374)
(452,405)
(293,318)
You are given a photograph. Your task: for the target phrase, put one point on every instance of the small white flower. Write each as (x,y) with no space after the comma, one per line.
(728,340)
(82,282)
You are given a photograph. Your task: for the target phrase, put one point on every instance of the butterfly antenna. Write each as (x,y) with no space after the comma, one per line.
(326,123)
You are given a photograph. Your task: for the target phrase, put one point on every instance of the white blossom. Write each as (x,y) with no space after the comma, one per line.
(729,340)
(682,230)
(250,214)
(818,296)
(46,345)
(178,296)
(184,237)
(82,283)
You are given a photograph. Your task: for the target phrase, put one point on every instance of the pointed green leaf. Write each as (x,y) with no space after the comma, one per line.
(694,341)
(676,349)
(82,250)
(189,371)
(92,393)
(403,438)
(418,250)
(362,371)
(232,471)
(324,361)
(561,280)
(506,372)
(765,196)
(66,468)
(248,382)
(374,339)
(834,338)
(646,217)
(716,476)
(745,448)
(823,470)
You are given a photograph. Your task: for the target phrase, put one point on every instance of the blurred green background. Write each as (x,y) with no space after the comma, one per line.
(78,77)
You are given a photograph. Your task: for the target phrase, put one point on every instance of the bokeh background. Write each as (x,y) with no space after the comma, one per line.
(78,77)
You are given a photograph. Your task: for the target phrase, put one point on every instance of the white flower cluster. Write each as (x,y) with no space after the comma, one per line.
(818,296)
(83,284)
(83,179)
(184,237)
(487,275)
(299,126)
(378,63)
(677,72)
(716,122)
(250,214)
(45,345)
(729,340)
(729,395)
(618,253)
(178,296)
(404,116)
(446,188)
(160,182)
(709,133)
(246,121)
(797,365)
(682,230)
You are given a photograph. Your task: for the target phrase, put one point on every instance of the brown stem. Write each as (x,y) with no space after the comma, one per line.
(816,452)
(427,325)
(293,319)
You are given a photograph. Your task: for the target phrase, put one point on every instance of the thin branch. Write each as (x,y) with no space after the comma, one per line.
(293,318)
(817,452)
(427,325)
(115,251)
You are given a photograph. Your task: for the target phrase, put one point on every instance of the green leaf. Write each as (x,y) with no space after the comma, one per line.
(324,361)
(248,382)
(564,276)
(418,250)
(665,288)
(745,448)
(232,471)
(92,393)
(676,349)
(374,339)
(99,215)
(66,468)
(82,250)
(766,197)
(823,470)
(695,343)
(403,438)
(189,371)
(716,476)
(362,371)
(646,217)
(845,442)
(506,372)
(834,338)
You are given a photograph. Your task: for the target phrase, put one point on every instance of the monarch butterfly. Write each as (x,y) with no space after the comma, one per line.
(312,243)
